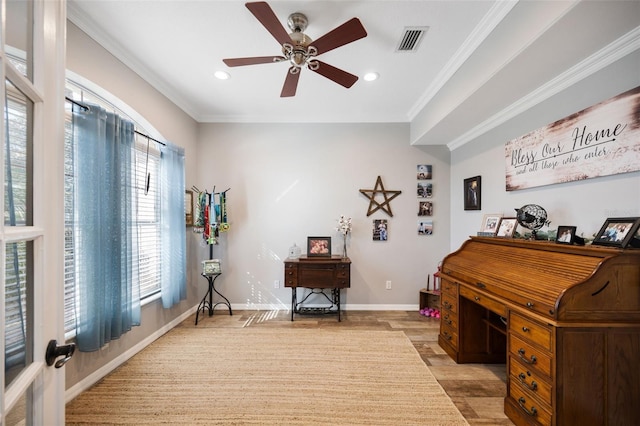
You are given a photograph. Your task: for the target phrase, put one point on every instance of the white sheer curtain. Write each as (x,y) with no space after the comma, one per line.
(172,216)
(108,293)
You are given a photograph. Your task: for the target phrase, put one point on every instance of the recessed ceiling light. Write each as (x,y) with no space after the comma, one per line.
(371,76)
(222,75)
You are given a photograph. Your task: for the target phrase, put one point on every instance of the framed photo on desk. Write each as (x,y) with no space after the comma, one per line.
(319,246)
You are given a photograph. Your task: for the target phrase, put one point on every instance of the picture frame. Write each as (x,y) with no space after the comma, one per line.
(566,235)
(425,208)
(617,231)
(380,231)
(472,192)
(424,171)
(490,223)
(507,227)
(318,246)
(425,189)
(188,207)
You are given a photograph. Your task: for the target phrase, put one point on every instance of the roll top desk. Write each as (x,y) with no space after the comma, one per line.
(564,319)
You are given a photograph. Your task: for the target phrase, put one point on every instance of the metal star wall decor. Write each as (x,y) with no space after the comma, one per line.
(374,205)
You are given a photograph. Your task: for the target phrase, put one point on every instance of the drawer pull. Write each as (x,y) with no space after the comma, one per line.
(481,285)
(447,335)
(447,320)
(533,412)
(523,379)
(290,273)
(525,329)
(529,304)
(476,298)
(532,360)
(447,305)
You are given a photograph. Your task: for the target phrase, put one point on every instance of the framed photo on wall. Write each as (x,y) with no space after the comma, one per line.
(566,234)
(424,171)
(471,194)
(617,231)
(319,246)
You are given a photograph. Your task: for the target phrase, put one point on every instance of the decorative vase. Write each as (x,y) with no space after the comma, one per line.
(344,245)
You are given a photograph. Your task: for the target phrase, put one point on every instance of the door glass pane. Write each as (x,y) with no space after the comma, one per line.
(18,153)
(19,25)
(18,415)
(18,289)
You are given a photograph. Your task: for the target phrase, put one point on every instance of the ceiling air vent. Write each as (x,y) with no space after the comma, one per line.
(411,38)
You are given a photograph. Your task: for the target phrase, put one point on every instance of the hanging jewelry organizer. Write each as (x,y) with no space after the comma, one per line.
(210,218)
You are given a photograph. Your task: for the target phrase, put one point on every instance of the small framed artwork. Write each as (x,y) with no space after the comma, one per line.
(319,246)
(472,193)
(425,208)
(507,227)
(188,207)
(424,171)
(566,234)
(380,230)
(617,231)
(425,190)
(425,227)
(490,223)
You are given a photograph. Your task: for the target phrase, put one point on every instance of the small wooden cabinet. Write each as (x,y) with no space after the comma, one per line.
(318,274)
(564,319)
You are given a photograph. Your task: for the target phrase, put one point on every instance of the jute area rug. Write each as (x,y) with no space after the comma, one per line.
(270,377)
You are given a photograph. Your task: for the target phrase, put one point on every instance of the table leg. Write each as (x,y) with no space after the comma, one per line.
(293,301)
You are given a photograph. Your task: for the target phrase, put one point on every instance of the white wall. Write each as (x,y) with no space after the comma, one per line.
(585,204)
(291,181)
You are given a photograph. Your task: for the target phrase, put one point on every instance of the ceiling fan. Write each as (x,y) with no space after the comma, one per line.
(299,50)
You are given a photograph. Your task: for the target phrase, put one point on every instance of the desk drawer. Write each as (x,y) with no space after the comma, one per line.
(530,330)
(450,319)
(484,301)
(530,380)
(530,407)
(290,275)
(530,356)
(449,335)
(449,304)
(449,287)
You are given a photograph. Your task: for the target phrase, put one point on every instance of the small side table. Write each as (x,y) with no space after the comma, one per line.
(207,300)
(429,298)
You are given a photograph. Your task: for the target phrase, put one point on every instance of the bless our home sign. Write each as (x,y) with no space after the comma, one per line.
(601,140)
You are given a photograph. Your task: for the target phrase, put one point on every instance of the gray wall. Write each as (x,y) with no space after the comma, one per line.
(585,204)
(291,181)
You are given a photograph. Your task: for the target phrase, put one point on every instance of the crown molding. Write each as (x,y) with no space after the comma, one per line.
(606,56)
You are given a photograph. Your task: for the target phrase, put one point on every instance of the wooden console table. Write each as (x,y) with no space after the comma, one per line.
(317,274)
(564,319)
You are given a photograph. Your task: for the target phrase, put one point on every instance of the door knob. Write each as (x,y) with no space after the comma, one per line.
(54,351)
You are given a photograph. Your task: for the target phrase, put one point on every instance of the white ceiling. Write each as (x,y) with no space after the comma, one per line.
(479,59)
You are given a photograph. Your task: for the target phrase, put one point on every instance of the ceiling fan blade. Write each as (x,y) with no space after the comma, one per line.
(346,33)
(263,12)
(238,62)
(290,84)
(341,77)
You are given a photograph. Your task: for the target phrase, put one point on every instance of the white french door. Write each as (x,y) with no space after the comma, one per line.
(32,54)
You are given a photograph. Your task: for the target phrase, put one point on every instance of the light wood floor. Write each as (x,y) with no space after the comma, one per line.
(478,390)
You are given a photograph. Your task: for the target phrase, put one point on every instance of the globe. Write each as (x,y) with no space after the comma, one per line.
(533,217)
